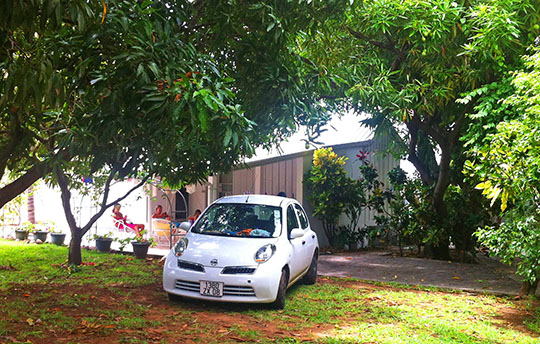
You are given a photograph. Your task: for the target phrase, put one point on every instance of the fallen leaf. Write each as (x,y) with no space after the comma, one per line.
(30,322)
(456,278)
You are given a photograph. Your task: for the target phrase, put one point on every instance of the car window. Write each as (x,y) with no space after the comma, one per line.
(292,221)
(302,216)
(244,220)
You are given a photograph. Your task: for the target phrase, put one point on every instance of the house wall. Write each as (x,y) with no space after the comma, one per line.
(287,175)
(198,198)
(282,176)
(270,179)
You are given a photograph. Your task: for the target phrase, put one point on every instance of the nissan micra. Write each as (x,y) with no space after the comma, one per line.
(247,248)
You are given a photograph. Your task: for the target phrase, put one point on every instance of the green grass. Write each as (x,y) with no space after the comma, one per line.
(41,264)
(41,299)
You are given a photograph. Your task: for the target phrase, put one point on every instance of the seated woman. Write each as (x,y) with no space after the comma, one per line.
(159,214)
(117,215)
(195,216)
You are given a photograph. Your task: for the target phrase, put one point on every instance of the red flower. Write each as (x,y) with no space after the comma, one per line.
(362,156)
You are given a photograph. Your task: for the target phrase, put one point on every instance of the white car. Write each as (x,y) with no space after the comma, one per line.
(247,248)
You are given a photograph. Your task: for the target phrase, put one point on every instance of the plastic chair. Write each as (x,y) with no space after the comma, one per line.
(123,230)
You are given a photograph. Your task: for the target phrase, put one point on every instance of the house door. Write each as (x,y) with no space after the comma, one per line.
(181,208)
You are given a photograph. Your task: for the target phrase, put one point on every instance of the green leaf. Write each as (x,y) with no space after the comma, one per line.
(203,118)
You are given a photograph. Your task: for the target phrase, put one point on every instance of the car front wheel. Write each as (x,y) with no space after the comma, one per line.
(279,303)
(311,276)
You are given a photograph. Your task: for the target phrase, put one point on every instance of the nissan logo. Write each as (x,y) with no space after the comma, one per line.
(214,262)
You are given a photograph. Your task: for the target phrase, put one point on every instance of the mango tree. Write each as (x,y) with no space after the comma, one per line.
(407,64)
(176,89)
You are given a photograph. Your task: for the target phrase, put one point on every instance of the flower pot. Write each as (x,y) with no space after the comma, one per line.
(103,244)
(21,234)
(42,236)
(58,238)
(140,249)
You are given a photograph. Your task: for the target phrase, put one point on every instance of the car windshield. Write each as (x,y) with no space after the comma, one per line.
(240,220)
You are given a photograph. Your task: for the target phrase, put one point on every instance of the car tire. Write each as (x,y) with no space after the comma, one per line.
(279,303)
(311,276)
(174,297)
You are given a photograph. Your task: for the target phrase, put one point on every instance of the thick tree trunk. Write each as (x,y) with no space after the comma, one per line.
(19,185)
(441,250)
(528,288)
(75,256)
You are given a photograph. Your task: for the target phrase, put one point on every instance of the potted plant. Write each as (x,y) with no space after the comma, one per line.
(57,237)
(103,242)
(21,233)
(141,244)
(39,233)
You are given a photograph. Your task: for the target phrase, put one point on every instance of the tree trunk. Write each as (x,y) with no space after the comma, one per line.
(75,256)
(31,206)
(528,288)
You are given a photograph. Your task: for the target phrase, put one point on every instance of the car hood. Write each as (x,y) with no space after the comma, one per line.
(229,251)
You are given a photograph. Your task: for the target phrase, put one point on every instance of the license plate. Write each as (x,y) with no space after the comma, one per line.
(211,288)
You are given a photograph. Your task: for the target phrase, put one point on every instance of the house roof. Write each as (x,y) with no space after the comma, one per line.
(305,153)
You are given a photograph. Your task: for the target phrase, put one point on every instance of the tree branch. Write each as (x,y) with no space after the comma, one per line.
(429,130)
(105,206)
(15,188)
(63,183)
(387,46)
(413,157)
(454,134)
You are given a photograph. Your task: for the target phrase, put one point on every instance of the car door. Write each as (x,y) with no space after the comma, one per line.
(309,241)
(296,261)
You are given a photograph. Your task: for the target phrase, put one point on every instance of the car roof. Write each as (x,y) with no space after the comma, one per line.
(276,201)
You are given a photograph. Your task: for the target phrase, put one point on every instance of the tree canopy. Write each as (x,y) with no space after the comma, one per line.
(176,89)
(410,65)
(208,81)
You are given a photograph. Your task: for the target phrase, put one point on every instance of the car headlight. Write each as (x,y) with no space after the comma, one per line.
(264,253)
(180,247)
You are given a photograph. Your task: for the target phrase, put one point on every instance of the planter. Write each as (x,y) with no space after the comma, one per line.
(21,234)
(58,238)
(140,249)
(42,236)
(103,244)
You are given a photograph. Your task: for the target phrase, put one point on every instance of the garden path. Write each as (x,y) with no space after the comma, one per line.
(488,276)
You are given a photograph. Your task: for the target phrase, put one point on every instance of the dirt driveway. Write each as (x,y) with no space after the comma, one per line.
(487,276)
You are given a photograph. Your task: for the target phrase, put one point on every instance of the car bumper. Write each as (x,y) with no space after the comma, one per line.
(258,287)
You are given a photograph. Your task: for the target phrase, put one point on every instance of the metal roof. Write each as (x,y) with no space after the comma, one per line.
(305,153)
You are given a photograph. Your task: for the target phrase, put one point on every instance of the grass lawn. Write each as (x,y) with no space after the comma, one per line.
(119,299)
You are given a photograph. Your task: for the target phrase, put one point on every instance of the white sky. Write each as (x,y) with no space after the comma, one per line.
(340,130)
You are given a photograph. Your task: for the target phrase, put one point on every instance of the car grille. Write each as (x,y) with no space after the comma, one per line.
(228,290)
(233,270)
(182,264)
(186,285)
(234,290)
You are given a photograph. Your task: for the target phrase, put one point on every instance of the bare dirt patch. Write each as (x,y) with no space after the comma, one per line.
(123,313)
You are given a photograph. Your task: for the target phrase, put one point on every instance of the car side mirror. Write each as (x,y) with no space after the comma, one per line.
(186,225)
(296,233)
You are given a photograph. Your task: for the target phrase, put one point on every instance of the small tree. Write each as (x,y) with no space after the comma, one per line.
(508,166)
(329,187)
